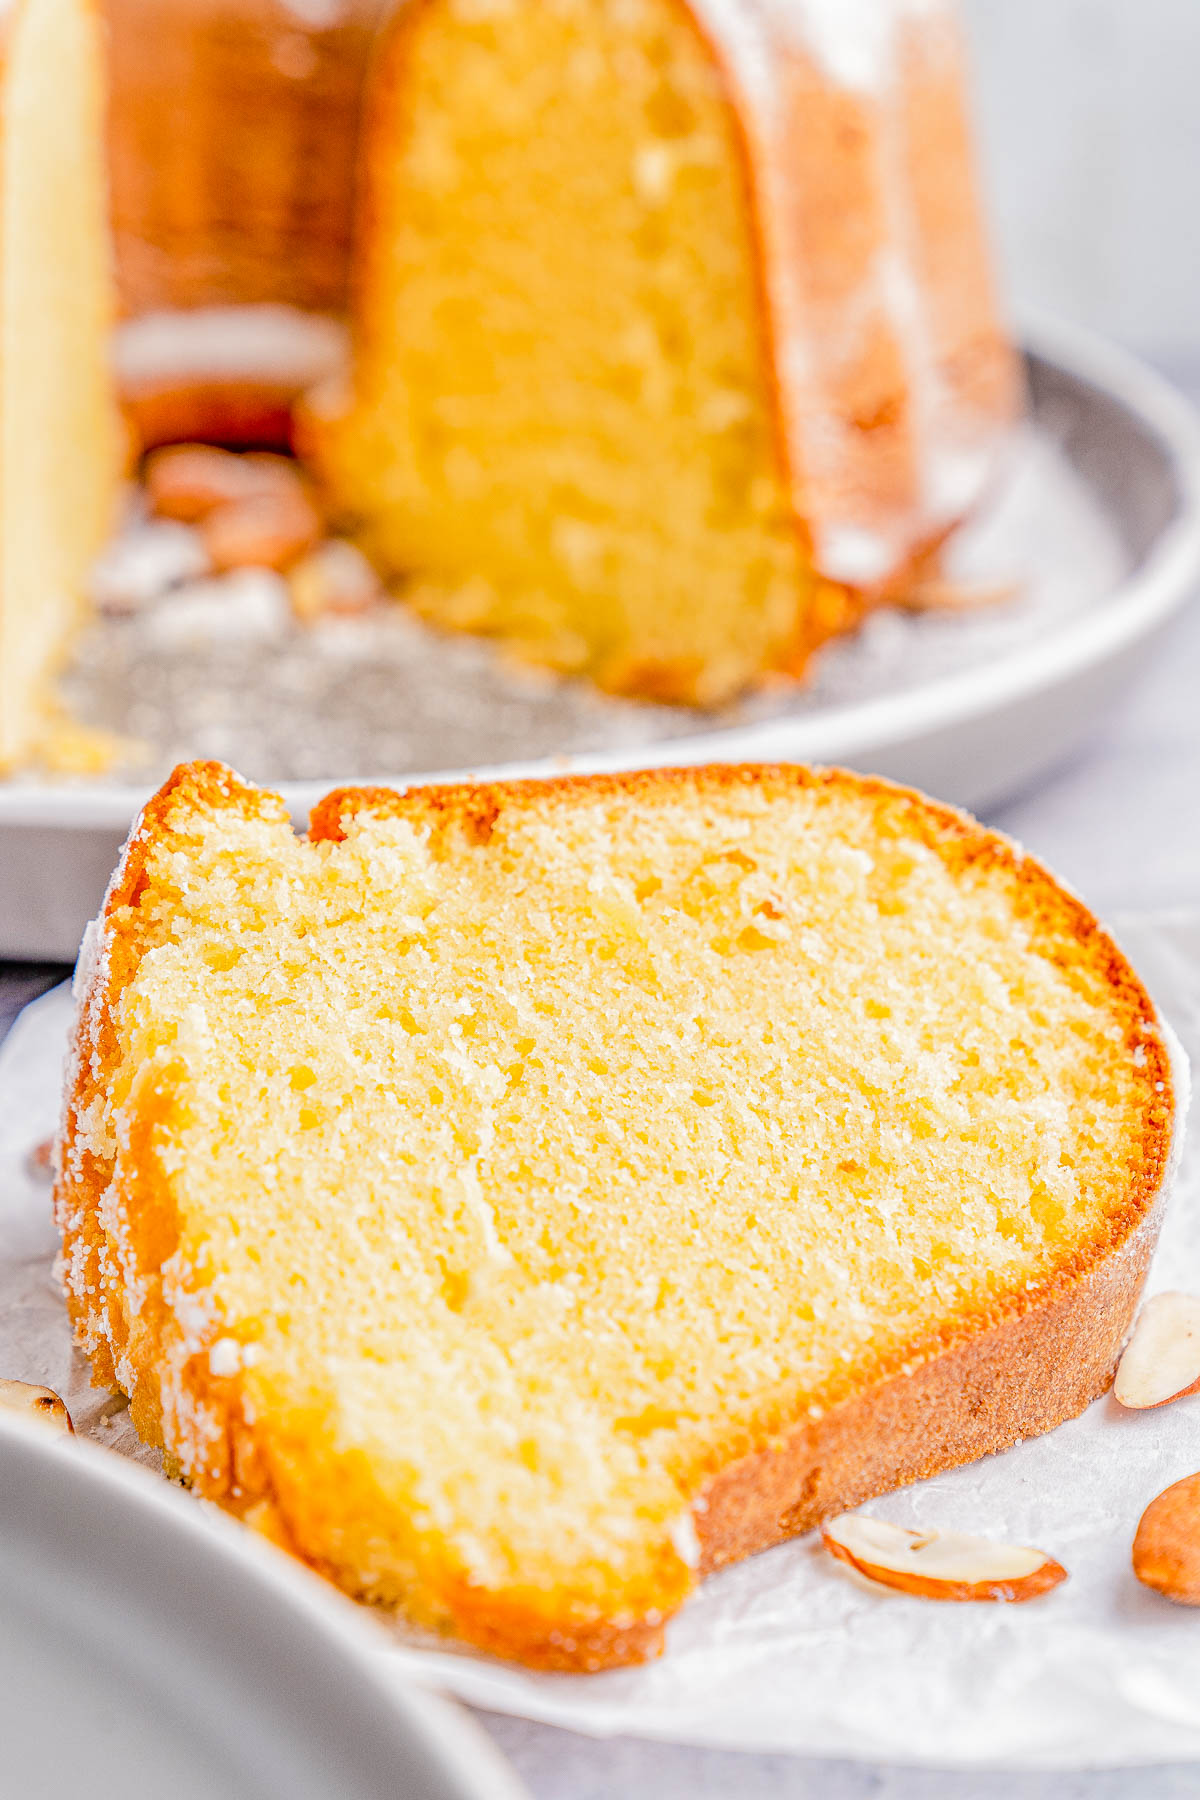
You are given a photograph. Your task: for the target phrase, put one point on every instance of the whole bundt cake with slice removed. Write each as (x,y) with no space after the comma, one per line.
(674,339)
(522,1199)
(673,342)
(60,440)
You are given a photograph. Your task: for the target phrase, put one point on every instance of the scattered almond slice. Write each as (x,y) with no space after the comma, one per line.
(35,1403)
(940,1565)
(1162,1359)
(269,531)
(1166,1549)
(188,481)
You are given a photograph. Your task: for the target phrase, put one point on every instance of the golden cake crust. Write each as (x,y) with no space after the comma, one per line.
(983,1381)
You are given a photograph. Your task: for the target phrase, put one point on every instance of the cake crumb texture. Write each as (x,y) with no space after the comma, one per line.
(61,448)
(519,1199)
(673,348)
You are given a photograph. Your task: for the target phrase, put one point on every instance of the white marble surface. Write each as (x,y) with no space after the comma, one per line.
(1121,822)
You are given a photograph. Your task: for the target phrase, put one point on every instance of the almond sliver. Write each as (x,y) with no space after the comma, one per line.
(940,1565)
(1162,1359)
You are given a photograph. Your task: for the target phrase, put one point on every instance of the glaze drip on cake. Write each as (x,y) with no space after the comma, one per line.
(898,381)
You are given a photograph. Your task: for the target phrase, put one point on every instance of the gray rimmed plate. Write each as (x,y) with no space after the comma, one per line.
(1097,530)
(149,1646)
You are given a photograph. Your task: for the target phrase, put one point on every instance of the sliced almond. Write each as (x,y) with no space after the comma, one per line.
(188,481)
(940,1565)
(36,1403)
(270,531)
(185,481)
(1166,1549)
(1162,1359)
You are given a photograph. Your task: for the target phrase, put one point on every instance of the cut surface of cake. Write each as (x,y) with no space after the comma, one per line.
(60,445)
(674,340)
(519,1200)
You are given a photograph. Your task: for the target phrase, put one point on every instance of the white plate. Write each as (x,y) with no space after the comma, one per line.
(149,1647)
(1011,705)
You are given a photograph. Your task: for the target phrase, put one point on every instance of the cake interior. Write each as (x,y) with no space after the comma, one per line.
(540,1160)
(58,423)
(564,413)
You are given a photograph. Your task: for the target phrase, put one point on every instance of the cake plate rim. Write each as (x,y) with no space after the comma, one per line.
(874,734)
(94,1543)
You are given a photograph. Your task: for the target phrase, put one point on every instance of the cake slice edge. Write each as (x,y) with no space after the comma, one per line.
(978,1391)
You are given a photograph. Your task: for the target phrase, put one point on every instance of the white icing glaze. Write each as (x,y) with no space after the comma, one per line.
(858,46)
(852,554)
(854,43)
(277,343)
(852,40)
(87,962)
(248,606)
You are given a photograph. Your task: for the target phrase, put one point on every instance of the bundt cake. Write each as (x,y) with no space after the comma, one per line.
(60,445)
(674,340)
(673,343)
(520,1200)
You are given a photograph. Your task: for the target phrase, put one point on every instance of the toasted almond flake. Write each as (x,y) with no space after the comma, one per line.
(188,481)
(334,578)
(1162,1359)
(1166,1549)
(268,531)
(35,1402)
(940,1565)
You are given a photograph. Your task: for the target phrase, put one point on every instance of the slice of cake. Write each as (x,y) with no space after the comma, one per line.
(522,1199)
(674,334)
(60,443)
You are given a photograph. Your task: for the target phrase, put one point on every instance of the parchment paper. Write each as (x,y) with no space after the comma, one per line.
(785,1652)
